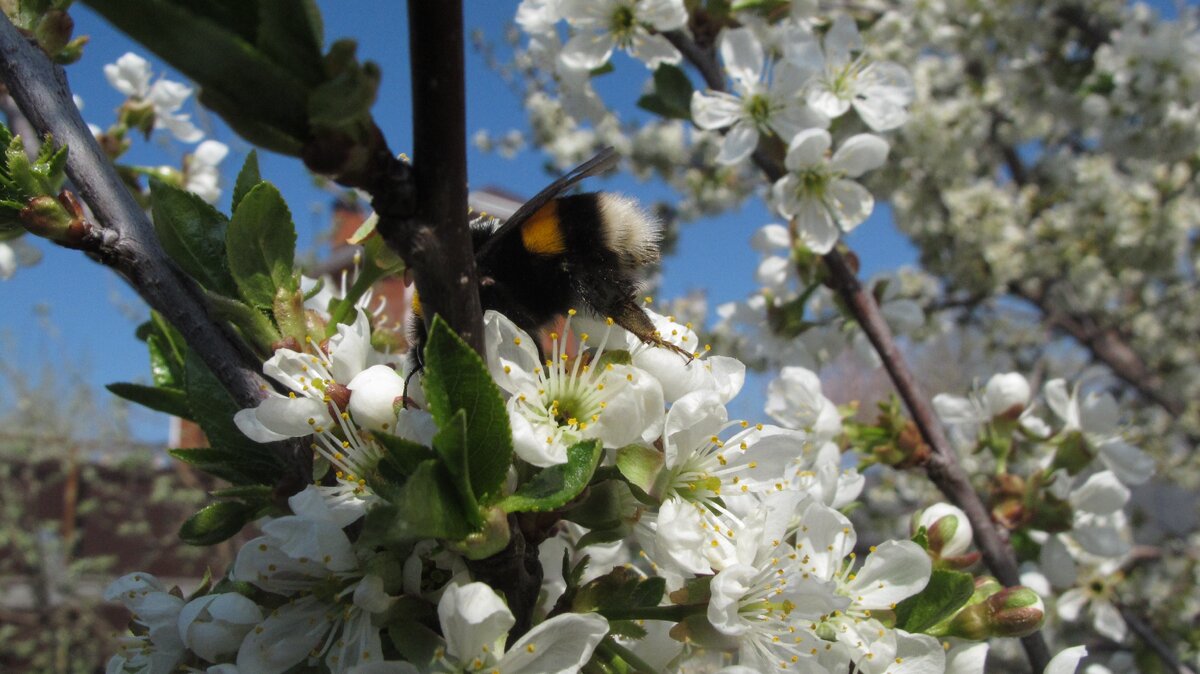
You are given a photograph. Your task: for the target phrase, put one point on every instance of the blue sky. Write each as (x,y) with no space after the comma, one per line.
(93,313)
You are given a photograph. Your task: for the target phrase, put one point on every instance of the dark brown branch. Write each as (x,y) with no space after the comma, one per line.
(942,467)
(122,237)
(434,239)
(1146,633)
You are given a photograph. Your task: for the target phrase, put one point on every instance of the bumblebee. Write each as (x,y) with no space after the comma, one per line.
(560,252)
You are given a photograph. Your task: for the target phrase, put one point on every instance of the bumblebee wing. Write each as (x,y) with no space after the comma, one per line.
(606,158)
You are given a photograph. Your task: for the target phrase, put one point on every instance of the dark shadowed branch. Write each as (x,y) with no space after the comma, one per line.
(428,227)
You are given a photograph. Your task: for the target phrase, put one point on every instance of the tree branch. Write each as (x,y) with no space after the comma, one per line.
(123,237)
(431,232)
(1146,633)
(942,467)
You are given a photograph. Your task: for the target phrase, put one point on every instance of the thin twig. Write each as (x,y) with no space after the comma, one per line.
(1146,633)
(942,467)
(123,237)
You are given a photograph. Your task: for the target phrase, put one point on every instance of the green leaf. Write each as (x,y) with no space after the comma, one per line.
(640,465)
(216,522)
(451,444)
(426,507)
(555,486)
(254,325)
(261,245)
(235,467)
(456,378)
(921,538)
(946,593)
(290,34)
(348,95)
(193,234)
(213,409)
(400,455)
(253,89)
(605,506)
(247,179)
(674,89)
(166,400)
(622,588)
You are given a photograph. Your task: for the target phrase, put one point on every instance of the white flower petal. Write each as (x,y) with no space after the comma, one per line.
(808,149)
(664,15)
(1071,603)
(473,618)
(715,109)
(739,143)
(1102,494)
(286,637)
(859,154)
(1066,661)
(373,397)
(588,50)
(1130,464)
(653,50)
(884,90)
(842,40)
(815,227)
(742,54)
(561,645)
(895,571)
(851,203)
(1108,621)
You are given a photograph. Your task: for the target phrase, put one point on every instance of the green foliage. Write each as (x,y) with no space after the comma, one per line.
(672,97)
(217,522)
(427,506)
(193,234)
(22,180)
(286,96)
(247,179)
(947,592)
(261,247)
(165,400)
(555,486)
(456,378)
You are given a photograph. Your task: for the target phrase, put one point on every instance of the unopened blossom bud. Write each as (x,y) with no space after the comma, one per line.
(59,219)
(214,625)
(1016,612)
(53,31)
(289,342)
(339,397)
(1006,395)
(136,114)
(375,391)
(1010,612)
(947,529)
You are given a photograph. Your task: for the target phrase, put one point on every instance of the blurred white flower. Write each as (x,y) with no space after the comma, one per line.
(766,99)
(604,25)
(200,170)
(841,77)
(131,76)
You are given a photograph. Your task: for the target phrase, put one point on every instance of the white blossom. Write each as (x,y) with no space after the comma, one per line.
(817,191)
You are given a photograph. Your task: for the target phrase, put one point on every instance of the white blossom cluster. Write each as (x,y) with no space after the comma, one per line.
(1078,459)
(753,512)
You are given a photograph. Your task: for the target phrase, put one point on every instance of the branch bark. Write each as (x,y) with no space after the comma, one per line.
(1148,636)
(942,467)
(123,237)
(431,232)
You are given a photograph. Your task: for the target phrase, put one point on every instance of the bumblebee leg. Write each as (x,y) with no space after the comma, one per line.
(633,318)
